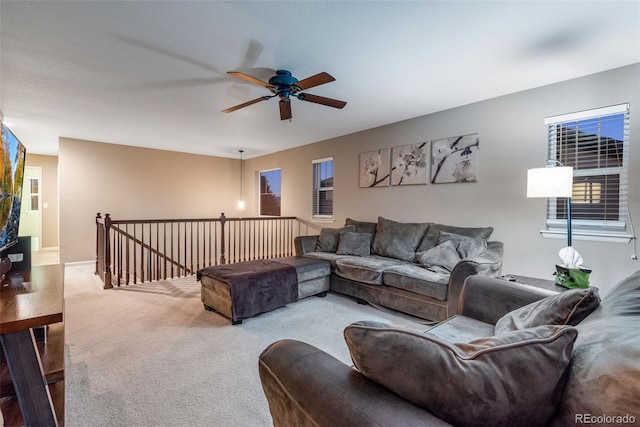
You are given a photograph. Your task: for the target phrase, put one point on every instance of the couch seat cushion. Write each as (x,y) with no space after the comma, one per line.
(364,269)
(307,268)
(417,279)
(460,329)
(513,379)
(398,239)
(327,256)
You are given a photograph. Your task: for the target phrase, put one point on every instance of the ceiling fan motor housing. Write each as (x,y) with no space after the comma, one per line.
(282,82)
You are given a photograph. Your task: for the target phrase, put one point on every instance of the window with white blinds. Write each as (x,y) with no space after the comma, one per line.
(596,144)
(322,200)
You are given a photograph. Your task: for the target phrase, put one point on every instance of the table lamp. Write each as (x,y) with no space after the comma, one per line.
(554,180)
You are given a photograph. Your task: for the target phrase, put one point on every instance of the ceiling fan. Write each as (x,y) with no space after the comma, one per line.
(284,86)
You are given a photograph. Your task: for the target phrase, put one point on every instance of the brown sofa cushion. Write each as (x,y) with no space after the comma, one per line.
(398,239)
(507,380)
(565,308)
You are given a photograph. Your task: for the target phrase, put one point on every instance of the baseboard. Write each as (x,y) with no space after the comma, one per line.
(80,263)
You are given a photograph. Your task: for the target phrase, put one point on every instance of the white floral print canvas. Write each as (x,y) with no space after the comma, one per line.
(374,168)
(455,159)
(409,164)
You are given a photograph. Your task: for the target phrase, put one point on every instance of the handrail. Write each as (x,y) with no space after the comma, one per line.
(144,250)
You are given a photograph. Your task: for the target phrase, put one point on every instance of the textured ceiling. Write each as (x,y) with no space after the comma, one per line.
(153,73)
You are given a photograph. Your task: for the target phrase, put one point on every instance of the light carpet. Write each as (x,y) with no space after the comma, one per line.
(151,355)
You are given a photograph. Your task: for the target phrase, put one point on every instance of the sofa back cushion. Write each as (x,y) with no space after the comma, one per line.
(330,237)
(398,239)
(363,227)
(605,376)
(510,380)
(432,235)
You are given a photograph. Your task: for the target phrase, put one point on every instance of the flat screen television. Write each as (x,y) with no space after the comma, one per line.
(12,157)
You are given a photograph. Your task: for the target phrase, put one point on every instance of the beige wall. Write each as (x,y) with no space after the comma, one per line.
(141,183)
(136,183)
(512,139)
(48,198)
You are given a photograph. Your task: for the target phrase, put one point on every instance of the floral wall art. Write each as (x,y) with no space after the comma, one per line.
(374,168)
(409,164)
(455,159)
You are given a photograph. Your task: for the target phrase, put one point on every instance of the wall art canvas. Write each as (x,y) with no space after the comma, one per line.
(455,159)
(409,164)
(374,168)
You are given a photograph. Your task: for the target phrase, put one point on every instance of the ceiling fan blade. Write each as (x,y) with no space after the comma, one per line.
(249,79)
(285,110)
(317,80)
(329,102)
(246,104)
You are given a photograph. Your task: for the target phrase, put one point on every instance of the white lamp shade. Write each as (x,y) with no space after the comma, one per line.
(241,205)
(552,181)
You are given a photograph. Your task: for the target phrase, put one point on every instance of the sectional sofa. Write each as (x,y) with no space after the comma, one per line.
(415,268)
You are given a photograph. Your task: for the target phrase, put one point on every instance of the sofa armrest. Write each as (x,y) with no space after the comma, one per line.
(308,387)
(489,263)
(305,244)
(487,299)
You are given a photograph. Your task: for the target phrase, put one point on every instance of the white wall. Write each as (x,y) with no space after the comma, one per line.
(513,138)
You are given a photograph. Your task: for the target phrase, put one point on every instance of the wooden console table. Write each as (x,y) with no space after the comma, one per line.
(34,299)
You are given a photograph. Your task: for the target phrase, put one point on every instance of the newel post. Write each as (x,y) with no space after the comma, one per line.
(107,252)
(223,220)
(98,217)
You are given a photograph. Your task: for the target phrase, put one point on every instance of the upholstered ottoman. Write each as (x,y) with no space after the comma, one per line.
(242,290)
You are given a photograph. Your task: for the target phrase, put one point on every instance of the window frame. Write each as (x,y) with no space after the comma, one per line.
(591,229)
(34,195)
(316,188)
(260,193)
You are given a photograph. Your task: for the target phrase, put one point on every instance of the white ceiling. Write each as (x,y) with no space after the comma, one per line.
(153,73)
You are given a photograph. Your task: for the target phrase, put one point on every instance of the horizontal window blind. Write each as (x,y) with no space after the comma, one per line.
(596,144)
(322,199)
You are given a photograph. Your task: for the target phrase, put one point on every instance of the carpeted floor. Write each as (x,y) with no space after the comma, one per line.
(150,355)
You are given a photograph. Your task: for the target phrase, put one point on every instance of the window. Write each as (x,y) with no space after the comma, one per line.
(34,192)
(596,144)
(322,199)
(270,197)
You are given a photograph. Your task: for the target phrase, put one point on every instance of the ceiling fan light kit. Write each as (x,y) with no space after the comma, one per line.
(284,85)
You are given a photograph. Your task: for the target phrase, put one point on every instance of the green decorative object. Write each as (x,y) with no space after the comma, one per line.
(572,277)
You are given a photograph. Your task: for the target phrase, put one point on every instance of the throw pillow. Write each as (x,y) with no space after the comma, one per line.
(467,247)
(329,238)
(398,239)
(432,235)
(363,227)
(441,258)
(565,308)
(358,244)
(508,380)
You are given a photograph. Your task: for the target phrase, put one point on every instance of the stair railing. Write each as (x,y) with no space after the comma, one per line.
(135,251)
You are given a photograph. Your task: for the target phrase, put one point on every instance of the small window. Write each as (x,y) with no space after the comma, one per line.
(322,201)
(596,144)
(270,196)
(34,193)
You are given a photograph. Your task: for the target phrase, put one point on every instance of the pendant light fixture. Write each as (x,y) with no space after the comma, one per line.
(241,205)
